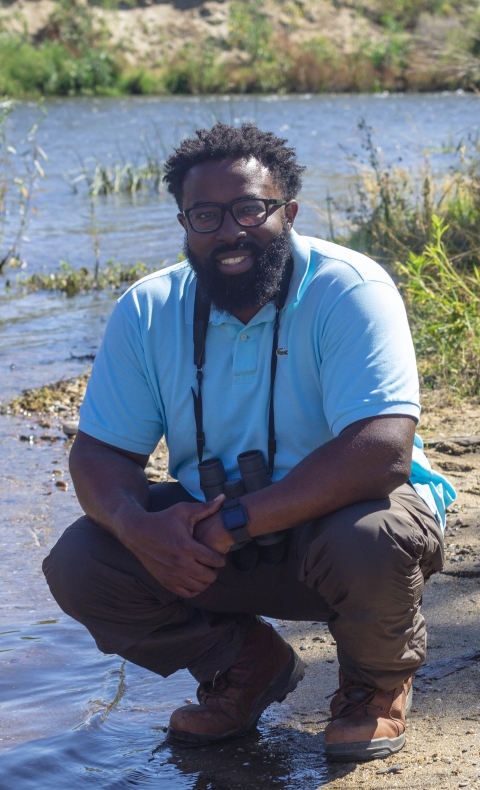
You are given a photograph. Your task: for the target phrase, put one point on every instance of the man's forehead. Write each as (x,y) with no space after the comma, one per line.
(237,167)
(207,180)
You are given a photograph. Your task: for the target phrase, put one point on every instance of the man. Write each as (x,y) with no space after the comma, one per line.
(304,353)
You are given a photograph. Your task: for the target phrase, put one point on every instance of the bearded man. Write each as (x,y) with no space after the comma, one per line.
(261,340)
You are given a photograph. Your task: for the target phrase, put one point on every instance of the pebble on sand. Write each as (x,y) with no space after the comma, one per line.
(70,428)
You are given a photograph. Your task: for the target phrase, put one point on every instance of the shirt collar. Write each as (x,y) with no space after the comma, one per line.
(301,260)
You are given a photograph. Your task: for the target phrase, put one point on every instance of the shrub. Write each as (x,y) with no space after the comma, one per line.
(194,71)
(50,69)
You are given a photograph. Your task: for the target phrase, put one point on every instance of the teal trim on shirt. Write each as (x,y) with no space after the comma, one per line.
(350,356)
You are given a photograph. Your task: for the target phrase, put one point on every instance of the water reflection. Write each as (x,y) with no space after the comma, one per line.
(105,722)
(127,748)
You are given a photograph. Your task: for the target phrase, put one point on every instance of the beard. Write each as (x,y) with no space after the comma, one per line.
(250,289)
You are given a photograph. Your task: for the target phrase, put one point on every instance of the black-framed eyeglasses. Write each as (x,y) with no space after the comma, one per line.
(247,212)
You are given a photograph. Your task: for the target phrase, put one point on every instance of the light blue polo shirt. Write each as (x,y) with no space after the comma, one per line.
(350,356)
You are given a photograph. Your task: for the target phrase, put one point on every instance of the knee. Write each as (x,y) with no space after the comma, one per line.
(365,545)
(70,567)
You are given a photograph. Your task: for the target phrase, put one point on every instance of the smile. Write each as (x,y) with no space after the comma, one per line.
(233,261)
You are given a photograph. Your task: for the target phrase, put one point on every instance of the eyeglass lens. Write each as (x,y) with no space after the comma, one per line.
(246,212)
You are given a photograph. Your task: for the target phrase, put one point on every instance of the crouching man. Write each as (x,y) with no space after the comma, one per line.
(261,340)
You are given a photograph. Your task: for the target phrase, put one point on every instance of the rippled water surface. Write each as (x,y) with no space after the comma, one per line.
(70,716)
(43,336)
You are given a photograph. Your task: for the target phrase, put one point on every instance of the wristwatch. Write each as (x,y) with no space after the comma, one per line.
(235,520)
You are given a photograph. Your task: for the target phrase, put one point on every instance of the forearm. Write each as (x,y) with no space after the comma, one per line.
(367,461)
(111,488)
(356,466)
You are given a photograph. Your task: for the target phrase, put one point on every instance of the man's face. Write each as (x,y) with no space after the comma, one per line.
(239,267)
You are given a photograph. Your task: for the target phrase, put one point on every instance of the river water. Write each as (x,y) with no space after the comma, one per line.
(70,716)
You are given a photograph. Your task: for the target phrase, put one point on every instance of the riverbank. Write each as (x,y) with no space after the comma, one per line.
(67,47)
(443,736)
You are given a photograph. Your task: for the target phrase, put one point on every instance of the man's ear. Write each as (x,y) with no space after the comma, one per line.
(182,221)
(291,210)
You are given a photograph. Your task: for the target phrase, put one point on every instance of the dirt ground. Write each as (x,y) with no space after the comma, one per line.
(443,733)
(148,33)
(157,29)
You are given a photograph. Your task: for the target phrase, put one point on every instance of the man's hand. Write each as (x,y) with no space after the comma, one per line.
(164,544)
(211,532)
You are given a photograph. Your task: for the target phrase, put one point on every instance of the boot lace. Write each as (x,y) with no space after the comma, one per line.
(353,699)
(235,677)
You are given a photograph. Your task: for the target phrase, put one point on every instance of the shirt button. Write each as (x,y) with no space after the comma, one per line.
(243,337)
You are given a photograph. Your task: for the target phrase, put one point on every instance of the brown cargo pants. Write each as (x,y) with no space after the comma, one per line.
(362,569)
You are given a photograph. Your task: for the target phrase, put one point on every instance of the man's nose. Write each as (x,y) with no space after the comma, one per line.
(230,231)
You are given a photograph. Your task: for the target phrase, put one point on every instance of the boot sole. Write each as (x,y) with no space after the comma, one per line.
(286,682)
(361,751)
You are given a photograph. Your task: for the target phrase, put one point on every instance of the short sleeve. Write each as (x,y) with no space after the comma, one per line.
(367,359)
(120,405)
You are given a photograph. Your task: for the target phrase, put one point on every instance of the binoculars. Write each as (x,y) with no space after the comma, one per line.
(254,477)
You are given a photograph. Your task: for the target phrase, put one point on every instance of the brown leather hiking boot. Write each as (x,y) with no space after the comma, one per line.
(366,722)
(266,670)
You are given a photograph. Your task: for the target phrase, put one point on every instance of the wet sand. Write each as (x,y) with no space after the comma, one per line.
(70,715)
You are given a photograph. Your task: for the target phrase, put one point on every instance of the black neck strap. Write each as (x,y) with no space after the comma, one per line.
(201,316)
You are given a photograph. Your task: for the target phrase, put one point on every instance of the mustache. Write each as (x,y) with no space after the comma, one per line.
(252,288)
(251,246)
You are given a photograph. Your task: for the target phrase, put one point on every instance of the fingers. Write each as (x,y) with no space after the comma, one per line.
(206,509)
(206,556)
(184,592)
(202,573)
(188,581)
(188,588)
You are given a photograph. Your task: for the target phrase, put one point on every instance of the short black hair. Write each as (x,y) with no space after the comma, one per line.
(231,142)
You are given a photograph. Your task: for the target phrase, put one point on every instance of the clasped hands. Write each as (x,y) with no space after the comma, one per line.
(183,547)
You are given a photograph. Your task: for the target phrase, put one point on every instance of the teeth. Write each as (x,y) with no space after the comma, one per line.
(233,261)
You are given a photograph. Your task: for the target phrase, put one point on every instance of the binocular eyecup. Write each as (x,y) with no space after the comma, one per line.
(212,477)
(254,477)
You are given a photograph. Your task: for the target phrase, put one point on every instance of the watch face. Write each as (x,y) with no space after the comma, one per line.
(236,517)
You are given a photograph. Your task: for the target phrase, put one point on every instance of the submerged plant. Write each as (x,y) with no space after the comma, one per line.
(116,178)
(145,173)
(113,276)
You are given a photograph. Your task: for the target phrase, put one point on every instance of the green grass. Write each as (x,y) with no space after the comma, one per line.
(443,303)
